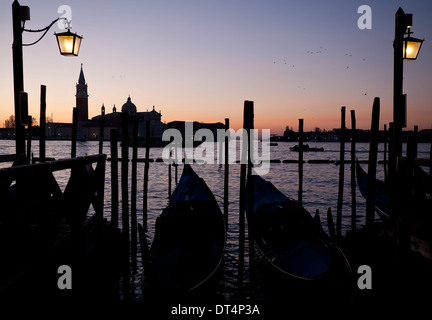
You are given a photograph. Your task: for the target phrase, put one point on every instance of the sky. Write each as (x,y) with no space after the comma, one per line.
(199,60)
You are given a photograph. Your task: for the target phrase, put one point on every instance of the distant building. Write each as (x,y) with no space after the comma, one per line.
(113,120)
(290,135)
(82,97)
(90,129)
(58,130)
(7,133)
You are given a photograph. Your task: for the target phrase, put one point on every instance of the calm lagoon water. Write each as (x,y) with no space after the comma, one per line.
(320,189)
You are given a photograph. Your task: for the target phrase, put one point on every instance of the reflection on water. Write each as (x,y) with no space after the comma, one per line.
(320,185)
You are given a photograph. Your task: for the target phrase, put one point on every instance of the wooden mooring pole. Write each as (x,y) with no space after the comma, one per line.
(226,174)
(385,151)
(249,117)
(124,179)
(243,163)
(300,164)
(114,178)
(74,131)
(23,101)
(146,174)
(373,153)
(133,214)
(101,130)
(390,170)
(353,172)
(341,177)
(430,157)
(125,199)
(29,137)
(169,177)
(42,124)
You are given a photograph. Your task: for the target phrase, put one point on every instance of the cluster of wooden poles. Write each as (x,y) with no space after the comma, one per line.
(335,229)
(129,222)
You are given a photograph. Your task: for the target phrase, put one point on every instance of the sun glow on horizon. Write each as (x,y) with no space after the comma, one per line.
(201,62)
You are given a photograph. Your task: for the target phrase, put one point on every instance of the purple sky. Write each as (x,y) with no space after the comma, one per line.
(199,60)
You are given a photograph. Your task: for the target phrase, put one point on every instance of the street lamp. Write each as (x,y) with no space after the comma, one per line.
(69,44)
(405,48)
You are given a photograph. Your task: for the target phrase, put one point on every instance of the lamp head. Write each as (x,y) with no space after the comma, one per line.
(411,47)
(69,43)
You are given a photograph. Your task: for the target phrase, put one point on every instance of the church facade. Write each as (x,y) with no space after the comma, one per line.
(89,129)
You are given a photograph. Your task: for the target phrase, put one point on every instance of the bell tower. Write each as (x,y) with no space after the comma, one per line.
(82,97)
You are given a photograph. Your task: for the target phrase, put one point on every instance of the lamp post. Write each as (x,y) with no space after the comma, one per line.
(69,44)
(404,49)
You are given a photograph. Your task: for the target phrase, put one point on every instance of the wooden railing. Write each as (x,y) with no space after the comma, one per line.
(37,217)
(30,194)
(7,157)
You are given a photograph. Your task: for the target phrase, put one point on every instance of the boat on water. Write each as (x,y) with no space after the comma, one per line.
(382,192)
(306,147)
(418,207)
(292,242)
(189,240)
(422,183)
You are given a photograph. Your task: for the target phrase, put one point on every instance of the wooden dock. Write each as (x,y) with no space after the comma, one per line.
(43,227)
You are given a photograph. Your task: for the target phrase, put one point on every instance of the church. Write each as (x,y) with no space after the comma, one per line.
(89,129)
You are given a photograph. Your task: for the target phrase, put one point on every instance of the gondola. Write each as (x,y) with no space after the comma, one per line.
(382,192)
(419,207)
(293,243)
(422,182)
(189,241)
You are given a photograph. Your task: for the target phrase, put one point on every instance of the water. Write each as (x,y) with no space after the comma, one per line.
(320,191)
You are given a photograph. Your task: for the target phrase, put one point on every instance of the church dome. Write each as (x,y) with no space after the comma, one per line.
(129,107)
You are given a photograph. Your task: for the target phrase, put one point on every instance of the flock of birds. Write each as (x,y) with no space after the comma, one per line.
(321,50)
(318,52)
(310,52)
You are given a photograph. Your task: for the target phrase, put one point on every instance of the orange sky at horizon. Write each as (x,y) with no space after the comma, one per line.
(324,120)
(200,61)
